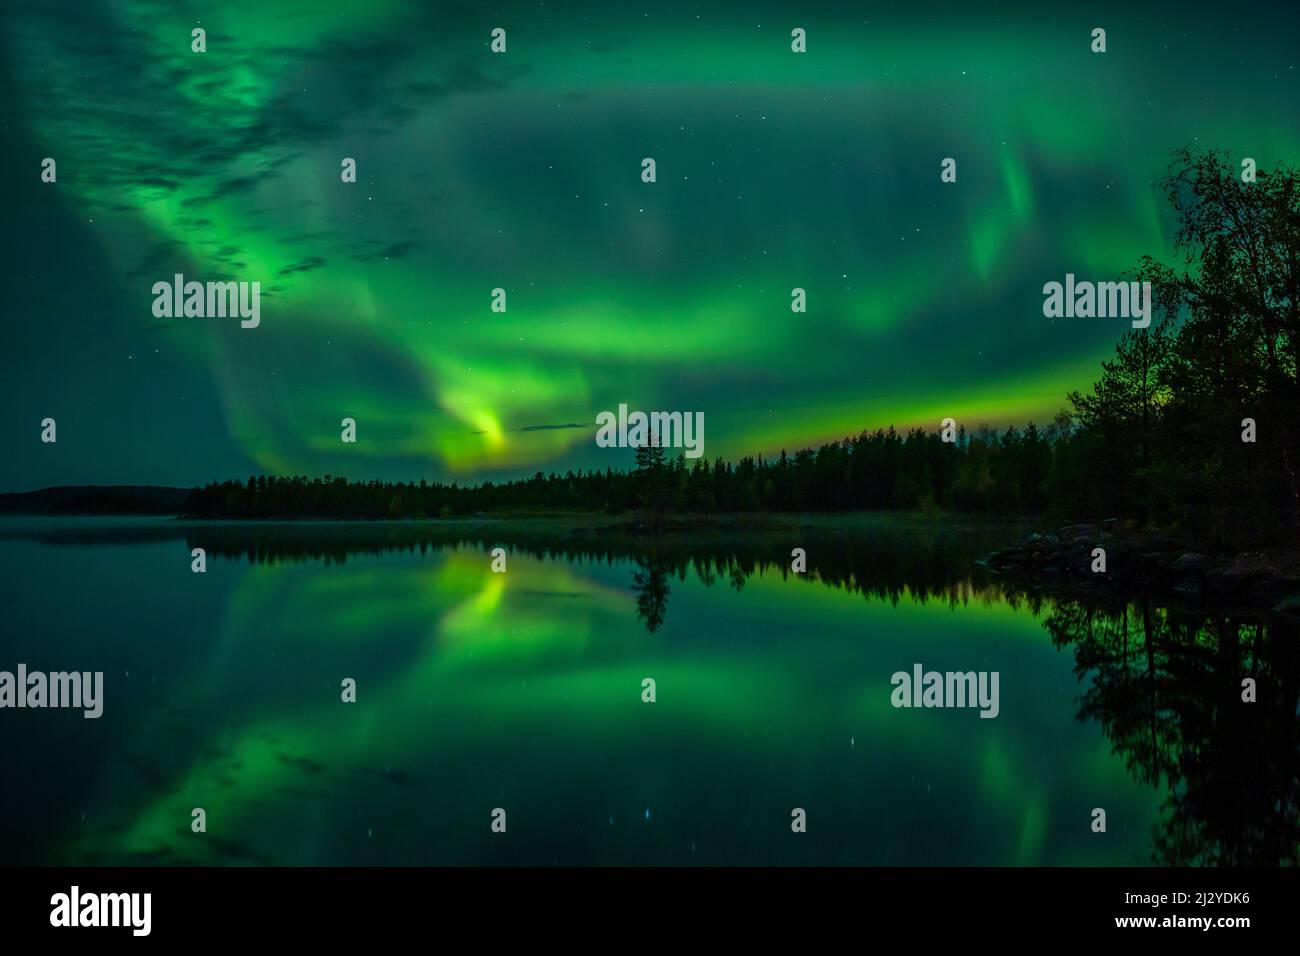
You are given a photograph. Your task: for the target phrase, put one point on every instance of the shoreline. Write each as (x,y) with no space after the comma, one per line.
(1139,562)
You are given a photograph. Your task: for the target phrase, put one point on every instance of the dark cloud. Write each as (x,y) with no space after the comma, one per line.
(163,260)
(316,236)
(547,428)
(306,265)
(394,250)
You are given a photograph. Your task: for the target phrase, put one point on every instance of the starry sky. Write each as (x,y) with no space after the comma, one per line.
(522,170)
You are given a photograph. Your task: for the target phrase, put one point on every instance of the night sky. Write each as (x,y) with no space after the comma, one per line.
(522,170)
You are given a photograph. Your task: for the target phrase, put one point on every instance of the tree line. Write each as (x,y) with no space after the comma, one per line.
(881,470)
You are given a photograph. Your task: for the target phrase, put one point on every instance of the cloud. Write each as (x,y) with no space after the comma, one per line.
(394,250)
(306,265)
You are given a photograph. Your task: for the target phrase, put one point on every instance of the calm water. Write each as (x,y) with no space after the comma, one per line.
(523,691)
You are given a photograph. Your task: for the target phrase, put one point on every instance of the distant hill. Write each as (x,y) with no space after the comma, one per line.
(97,500)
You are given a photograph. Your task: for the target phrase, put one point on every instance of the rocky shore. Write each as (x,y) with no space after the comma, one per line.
(1142,562)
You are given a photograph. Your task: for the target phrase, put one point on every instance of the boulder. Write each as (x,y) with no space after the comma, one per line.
(1072,531)
(1273,591)
(1289,606)
(1232,578)
(1193,563)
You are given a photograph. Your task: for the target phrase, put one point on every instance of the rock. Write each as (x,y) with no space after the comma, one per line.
(1271,592)
(1193,563)
(1289,606)
(1147,542)
(1231,578)
(1005,559)
(1072,531)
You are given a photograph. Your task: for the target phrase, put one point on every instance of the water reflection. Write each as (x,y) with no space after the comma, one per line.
(650,585)
(886,559)
(1166,686)
(775,684)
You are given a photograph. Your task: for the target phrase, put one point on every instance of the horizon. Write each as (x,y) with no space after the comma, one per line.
(984,428)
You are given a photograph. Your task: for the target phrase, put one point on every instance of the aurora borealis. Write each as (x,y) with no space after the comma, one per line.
(521,171)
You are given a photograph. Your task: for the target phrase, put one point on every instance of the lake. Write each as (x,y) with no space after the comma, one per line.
(523,691)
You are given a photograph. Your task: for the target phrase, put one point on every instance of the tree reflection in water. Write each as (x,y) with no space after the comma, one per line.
(1166,686)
